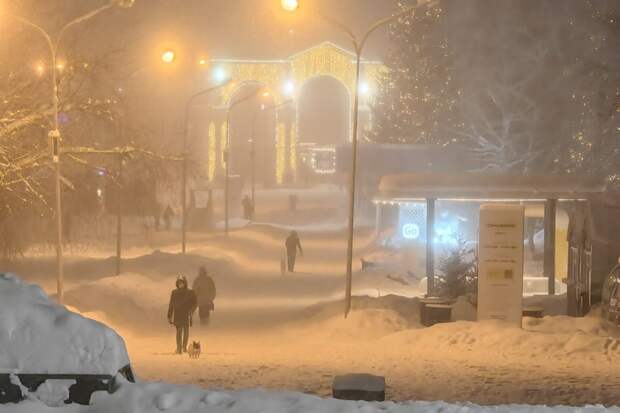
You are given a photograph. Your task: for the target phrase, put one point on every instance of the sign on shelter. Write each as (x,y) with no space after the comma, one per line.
(500,263)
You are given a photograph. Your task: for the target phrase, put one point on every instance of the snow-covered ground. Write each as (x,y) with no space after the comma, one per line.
(321,326)
(288,332)
(159,397)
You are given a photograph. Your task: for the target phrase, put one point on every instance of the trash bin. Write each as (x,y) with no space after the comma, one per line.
(434,310)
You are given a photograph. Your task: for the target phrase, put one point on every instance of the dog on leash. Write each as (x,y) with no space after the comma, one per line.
(194,350)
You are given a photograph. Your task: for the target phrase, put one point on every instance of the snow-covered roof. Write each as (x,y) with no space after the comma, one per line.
(39,336)
(478,186)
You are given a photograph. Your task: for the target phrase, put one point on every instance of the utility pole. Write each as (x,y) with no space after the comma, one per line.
(54,134)
(358,45)
(119,214)
(185,156)
(227,151)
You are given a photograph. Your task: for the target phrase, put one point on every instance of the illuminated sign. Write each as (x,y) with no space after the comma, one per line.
(411,231)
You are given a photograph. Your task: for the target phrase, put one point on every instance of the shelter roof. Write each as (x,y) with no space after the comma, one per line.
(479,186)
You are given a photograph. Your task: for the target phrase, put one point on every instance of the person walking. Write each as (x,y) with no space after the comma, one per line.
(248,208)
(180,310)
(292,245)
(204,288)
(168,214)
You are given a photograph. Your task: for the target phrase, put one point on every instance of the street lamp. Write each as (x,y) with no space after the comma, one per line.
(261,109)
(260,91)
(290,5)
(185,134)
(358,45)
(54,134)
(168,56)
(39,69)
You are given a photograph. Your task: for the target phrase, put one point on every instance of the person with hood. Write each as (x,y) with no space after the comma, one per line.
(204,288)
(292,244)
(180,310)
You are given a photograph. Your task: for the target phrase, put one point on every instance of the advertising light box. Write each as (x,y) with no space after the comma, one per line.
(500,263)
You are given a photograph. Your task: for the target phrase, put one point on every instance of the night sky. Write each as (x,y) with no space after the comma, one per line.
(257,28)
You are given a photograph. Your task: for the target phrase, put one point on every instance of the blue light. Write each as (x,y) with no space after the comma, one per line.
(411,231)
(447,233)
(219,75)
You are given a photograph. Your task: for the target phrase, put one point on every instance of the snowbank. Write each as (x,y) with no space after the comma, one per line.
(553,336)
(158,397)
(39,336)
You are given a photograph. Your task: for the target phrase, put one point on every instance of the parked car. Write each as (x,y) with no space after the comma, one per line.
(41,340)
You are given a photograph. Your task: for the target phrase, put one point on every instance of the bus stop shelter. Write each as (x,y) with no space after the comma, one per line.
(572,193)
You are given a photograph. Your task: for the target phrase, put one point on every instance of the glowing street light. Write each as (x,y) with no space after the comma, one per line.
(290,5)
(39,69)
(168,56)
(54,133)
(188,105)
(358,45)
(219,75)
(202,62)
(364,88)
(289,88)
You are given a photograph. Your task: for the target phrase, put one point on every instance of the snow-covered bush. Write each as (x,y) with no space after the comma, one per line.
(458,274)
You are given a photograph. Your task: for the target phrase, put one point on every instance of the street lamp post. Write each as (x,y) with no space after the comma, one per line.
(358,45)
(227,151)
(185,135)
(54,134)
(253,140)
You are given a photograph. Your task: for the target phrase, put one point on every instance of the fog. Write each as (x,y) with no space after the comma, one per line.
(209,138)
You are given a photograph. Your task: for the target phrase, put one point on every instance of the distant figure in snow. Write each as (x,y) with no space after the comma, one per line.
(180,310)
(168,213)
(292,244)
(205,291)
(248,208)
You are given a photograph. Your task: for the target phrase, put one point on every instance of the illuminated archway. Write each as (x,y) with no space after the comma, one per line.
(323,115)
(285,79)
(250,143)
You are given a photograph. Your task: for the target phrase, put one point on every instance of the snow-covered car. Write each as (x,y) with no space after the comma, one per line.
(611,296)
(41,340)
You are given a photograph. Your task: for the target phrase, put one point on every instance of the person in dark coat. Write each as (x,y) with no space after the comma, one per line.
(168,213)
(248,208)
(180,311)
(292,245)
(204,288)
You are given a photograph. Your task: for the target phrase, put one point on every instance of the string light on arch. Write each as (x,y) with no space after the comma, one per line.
(285,78)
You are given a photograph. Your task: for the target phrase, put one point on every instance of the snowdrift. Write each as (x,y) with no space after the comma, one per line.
(553,336)
(158,397)
(39,336)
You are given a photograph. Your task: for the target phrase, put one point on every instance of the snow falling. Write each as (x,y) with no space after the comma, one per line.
(309,206)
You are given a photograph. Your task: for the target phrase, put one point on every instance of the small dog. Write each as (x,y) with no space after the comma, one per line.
(194,350)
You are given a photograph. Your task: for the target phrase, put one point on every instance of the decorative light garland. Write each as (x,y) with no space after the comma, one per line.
(212,152)
(325,59)
(280,153)
(322,170)
(223,144)
(293,148)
